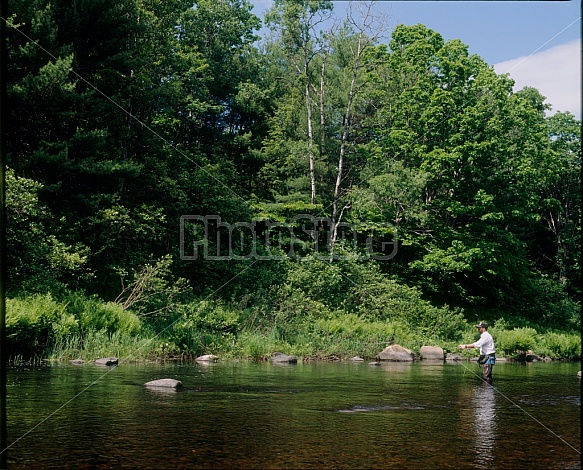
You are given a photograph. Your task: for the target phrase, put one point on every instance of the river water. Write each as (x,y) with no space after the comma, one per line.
(244,415)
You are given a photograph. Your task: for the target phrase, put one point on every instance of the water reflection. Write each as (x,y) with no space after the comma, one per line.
(309,416)
(484,406)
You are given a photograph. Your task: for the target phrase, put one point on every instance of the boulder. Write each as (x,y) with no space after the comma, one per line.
(357,359)
(166,383)
(431,353)
(107,361)
(207,358)
(281,358)
(531,357)
(77,362)
(453,357)
(396,353)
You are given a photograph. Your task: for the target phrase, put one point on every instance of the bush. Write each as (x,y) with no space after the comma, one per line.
(349,335)
(94,314)
(384,299)
(260,345)
(205,327)
(96,344)
(39,322)
(560,346)
(515,341)
(29,323)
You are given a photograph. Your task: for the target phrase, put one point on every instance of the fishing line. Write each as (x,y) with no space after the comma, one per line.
(164,140)
(57,410)
(543,45)
(522,409)
(205,299)
(115,367)
(157,135)
(421,137)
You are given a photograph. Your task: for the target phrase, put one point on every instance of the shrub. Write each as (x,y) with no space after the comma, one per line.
(38,322)
(349,334)
(515,341)
(94,314)
(96,344)
(560,346)
(205,327)
(29,323)
(260,345)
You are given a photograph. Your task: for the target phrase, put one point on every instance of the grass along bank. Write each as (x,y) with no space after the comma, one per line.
(78,327)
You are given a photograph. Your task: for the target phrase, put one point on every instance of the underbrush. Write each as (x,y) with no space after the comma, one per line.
(77,327)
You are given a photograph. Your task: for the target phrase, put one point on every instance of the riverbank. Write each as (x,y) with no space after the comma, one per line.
(40,327)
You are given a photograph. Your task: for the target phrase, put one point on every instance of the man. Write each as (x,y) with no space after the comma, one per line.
(487,351)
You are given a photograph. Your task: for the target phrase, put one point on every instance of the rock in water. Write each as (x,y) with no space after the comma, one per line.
(207,358)
(107,361)
(167,383)
(396,353)
(431,353)
(282,358)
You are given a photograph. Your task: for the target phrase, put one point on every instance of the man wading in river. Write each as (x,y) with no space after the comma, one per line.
(487,351)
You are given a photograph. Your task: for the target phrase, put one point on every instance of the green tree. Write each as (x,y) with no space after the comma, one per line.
(298,23)
(448,119)
(561,209)
(37,260)
(121,110)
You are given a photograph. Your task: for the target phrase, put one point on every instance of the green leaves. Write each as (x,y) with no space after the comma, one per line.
(38,260)
(143,112)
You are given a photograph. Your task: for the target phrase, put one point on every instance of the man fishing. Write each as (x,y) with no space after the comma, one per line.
(487,351)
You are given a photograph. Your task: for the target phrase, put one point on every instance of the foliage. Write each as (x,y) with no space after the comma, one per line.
(350,335)
(98,344)
(29,323)
(203,327)
(92,313)
(153,289)
(515,341)
(560,346)
(35,323)
(144,112)
(38,261)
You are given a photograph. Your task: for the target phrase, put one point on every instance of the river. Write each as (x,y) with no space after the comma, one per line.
(244,415)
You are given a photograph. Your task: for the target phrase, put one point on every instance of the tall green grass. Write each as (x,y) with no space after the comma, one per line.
(75,326)
(79,327)
(96,344)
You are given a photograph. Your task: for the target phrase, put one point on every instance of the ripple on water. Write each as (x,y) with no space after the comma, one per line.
(365,409)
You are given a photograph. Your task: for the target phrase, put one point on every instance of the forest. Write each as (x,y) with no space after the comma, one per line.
(178,184)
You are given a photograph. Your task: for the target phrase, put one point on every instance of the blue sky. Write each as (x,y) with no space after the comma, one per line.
(537,42)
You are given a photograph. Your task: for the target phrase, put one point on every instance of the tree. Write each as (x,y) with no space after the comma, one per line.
(562,200)
(37,260)
(298,23)
(358,47)
(447,118)
(122,110)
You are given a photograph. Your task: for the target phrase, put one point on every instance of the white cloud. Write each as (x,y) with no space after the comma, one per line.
(556,73)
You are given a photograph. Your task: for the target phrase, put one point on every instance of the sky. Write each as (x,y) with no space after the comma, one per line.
(537,42)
